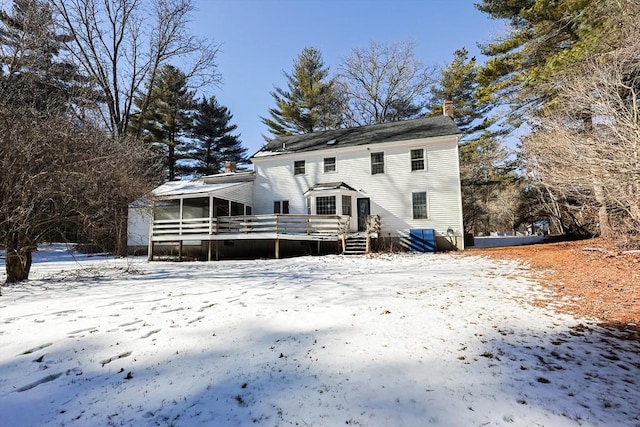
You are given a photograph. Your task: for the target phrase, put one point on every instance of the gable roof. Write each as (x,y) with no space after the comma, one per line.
(426,127)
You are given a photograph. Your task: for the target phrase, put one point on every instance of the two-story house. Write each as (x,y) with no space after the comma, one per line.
(394,184)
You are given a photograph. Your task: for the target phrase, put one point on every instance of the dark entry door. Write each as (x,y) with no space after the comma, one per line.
(364,210)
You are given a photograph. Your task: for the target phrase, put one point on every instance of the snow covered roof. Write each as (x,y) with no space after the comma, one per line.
(205,185)
(426,127)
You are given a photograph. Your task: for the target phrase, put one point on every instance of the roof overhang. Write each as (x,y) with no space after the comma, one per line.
(330,187)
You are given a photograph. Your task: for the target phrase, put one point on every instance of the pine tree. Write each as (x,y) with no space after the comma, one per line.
(214,142)
(309,102)
(168,119)
(545,37)
(32,61)
(484,169)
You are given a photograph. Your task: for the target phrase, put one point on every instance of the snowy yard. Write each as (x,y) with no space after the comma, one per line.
(392,340)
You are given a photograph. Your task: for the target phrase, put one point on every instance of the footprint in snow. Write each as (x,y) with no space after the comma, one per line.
(34,349)
(46,379)
(89,329)
(148,334)
(112,358)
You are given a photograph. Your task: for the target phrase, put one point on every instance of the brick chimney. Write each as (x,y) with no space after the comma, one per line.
(229,167)
(447,108)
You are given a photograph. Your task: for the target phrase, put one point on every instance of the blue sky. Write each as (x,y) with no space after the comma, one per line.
(262,38)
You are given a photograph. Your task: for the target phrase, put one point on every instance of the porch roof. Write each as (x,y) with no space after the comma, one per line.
(190,188)
(323,186)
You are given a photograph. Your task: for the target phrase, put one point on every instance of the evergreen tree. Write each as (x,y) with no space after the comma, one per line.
(214,142)
(168,119)
(310,100)
(32,61)
(545,37)
(457,83)
(484,169)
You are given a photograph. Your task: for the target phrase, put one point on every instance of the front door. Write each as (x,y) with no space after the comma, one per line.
(364,210)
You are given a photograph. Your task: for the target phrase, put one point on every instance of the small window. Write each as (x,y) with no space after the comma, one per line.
(237,209)
(308,205)
(281,207)
(346,205)
(298,167)
(419,201)
(377,163)
(248,210)
(329,164)
(417,159)
(326,205)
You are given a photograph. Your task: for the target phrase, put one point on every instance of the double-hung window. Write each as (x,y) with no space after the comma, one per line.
(419,203)
(377,163)
(329,164)
(417,160)
(346,205)
(298,167)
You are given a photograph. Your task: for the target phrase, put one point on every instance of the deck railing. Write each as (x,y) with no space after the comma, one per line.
(182,229)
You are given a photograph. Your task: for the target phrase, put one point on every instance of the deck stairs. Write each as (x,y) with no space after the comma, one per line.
(356,245)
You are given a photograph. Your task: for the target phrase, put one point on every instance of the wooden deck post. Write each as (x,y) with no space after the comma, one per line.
(150,251)
(180,251)
(217,250)
(209,250)
(344,243)
(277,248)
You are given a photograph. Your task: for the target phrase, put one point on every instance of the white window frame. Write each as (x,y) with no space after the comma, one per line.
(299,165)
(325,164)
(417,208)
(280,206)
(319,204)
(344,198)
(377,164)
(423,159)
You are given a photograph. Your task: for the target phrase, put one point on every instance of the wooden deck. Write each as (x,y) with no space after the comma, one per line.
(294,227)
(256,227)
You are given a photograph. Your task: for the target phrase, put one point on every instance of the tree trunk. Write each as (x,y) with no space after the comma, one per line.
(18,260)
(121,231)
(603,217)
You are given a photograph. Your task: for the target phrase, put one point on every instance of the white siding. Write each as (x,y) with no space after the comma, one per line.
(390,192)
(138,225)
(241,193)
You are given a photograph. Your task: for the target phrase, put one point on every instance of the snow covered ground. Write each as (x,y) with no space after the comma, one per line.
(392,340)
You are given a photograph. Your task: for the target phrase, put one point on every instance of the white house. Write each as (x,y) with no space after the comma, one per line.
(394,184)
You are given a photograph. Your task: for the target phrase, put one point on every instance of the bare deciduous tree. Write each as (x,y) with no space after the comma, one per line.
(384,83)
(122,44)
(58,169)
(587,153)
